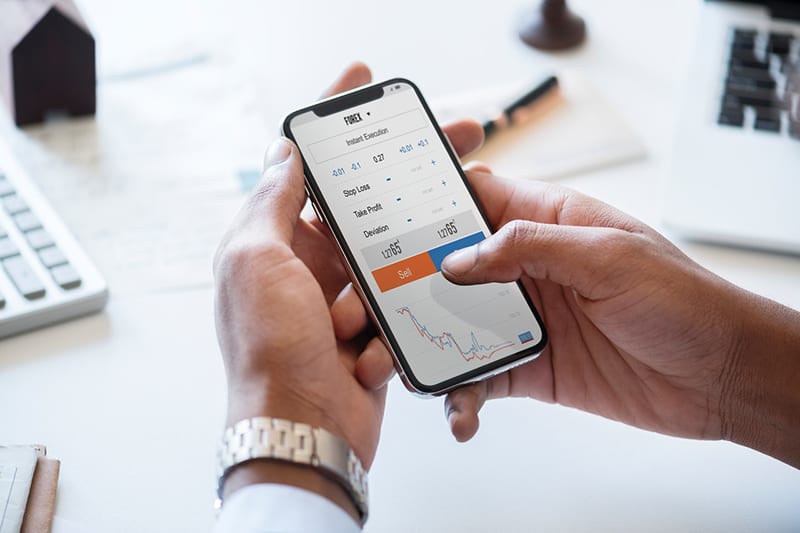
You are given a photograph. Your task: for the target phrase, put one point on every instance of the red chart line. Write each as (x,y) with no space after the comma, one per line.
(476,350)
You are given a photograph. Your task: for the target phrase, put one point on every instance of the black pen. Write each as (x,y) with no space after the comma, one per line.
(507,117)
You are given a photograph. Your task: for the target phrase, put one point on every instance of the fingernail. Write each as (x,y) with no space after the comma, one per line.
(461,261)
(278,152)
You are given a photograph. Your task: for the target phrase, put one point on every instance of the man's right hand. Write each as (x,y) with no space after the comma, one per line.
(638,332)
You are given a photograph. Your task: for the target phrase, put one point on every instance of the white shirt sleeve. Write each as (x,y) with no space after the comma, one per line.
(273,508)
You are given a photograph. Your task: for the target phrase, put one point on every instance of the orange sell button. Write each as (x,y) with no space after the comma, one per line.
(405,271)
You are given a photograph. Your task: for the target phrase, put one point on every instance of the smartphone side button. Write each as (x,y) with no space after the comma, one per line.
(314,205)
(318,213)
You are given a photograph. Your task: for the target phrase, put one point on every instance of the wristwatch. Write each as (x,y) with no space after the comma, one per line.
(283,440)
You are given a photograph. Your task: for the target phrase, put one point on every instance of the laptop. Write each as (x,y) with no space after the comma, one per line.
(735,177)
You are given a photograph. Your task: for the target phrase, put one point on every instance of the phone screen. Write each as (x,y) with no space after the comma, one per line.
(395,197)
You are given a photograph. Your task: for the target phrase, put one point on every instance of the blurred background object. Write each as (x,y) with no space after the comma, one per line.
(553,26)
(47,60)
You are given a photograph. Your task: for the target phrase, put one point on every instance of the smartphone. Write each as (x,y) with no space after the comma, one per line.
(385,179)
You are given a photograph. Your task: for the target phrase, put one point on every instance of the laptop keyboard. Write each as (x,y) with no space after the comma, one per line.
(762,85)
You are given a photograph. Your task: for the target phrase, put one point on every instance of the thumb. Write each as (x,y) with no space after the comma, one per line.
(274,206)
(583,258)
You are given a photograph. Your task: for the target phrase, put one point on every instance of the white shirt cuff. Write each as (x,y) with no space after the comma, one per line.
(272,508)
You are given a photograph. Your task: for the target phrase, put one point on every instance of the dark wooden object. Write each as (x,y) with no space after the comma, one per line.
(553,26)
(47,60)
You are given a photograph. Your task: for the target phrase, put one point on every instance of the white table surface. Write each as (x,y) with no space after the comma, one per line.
(132,400)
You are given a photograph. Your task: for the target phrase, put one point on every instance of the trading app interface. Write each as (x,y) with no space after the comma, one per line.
(402,207)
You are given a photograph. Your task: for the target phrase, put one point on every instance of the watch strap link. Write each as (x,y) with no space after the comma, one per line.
(284,440)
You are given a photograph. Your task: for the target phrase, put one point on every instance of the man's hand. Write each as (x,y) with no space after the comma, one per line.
(277,278)
(293,333)
(638,332)
(288,339)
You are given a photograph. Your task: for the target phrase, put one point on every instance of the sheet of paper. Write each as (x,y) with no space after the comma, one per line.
(17,464)
(151,183)
(579,133)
